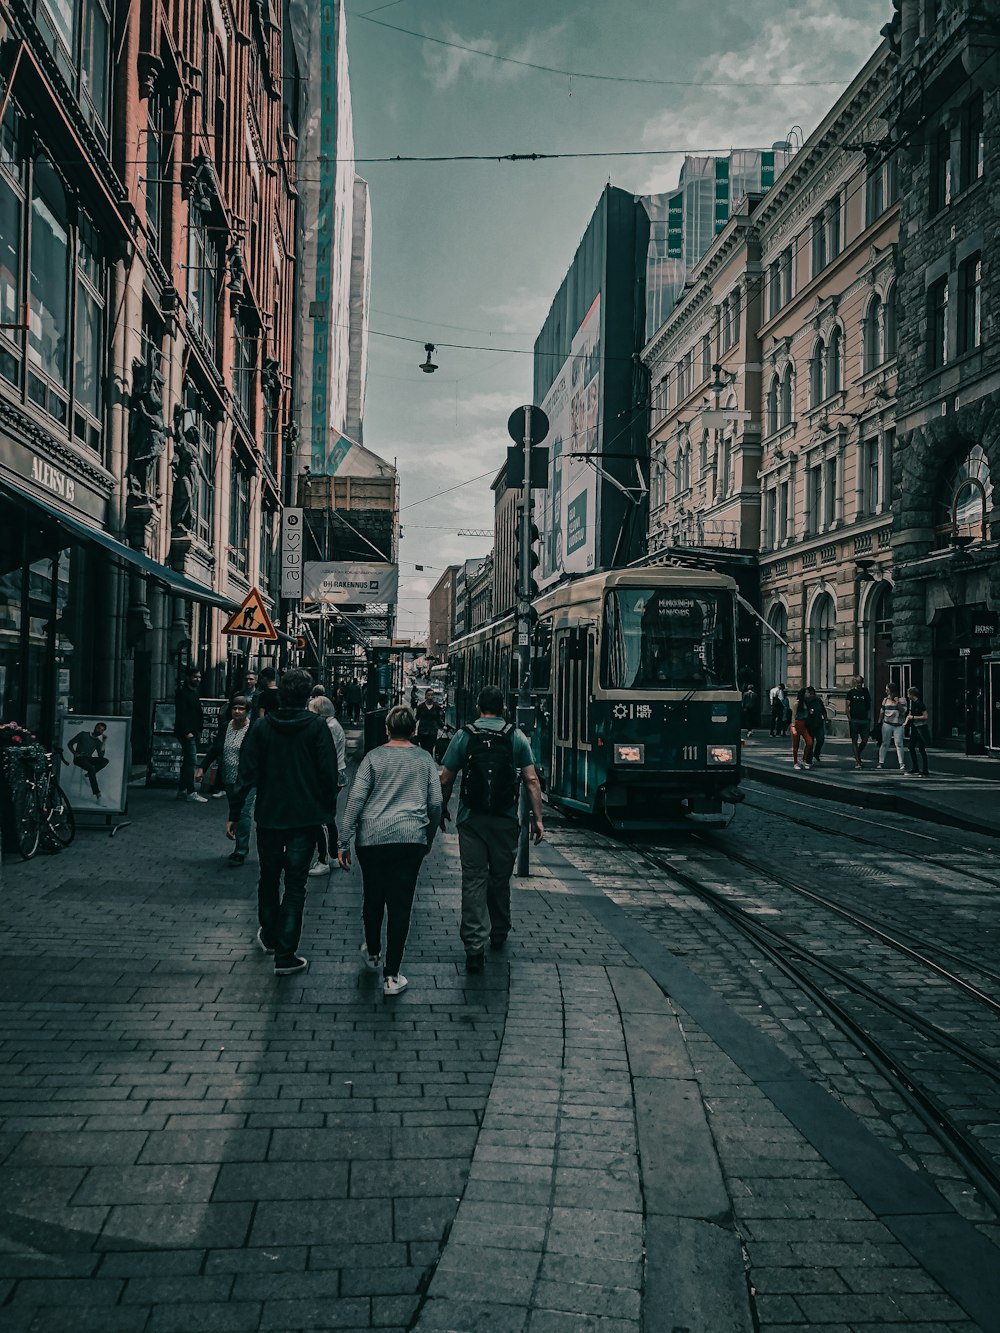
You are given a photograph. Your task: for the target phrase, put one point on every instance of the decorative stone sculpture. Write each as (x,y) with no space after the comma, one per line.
(147,436)
(187,445)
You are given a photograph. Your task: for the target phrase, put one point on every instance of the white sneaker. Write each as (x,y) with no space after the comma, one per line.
(217,795)
(320,868)
(196,799)
(798,766)
(393,985)
(373,961)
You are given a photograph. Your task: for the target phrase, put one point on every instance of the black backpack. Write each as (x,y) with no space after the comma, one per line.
(489,779)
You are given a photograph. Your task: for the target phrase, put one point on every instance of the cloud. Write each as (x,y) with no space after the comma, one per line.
(447,64)
(788,48)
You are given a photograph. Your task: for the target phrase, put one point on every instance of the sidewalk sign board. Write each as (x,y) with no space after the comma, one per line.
(94,754)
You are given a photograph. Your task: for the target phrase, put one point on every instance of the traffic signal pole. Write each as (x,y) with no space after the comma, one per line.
(525,707)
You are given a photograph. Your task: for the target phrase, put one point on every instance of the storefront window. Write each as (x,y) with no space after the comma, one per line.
(90,288)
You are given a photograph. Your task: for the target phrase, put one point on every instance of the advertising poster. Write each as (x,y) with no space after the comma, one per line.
(572,405)
(344,581)
(96,756)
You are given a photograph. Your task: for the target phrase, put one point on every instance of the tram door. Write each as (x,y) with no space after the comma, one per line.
(574,666)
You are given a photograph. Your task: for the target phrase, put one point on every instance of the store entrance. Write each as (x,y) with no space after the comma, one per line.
(959,719)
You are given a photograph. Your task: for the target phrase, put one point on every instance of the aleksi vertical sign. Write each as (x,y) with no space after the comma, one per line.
(292,533)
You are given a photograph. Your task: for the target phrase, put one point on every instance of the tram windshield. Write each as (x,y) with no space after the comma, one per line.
(668,639)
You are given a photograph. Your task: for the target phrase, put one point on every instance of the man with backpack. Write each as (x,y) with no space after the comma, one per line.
(493,758)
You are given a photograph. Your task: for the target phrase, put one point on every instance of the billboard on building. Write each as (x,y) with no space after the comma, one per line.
(348,582)
(572,406)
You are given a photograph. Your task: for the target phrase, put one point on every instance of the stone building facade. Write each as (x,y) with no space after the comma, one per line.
(705,360)
(441,608)
(827,234)
(945,117)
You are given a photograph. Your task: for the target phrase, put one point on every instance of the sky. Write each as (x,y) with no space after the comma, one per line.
(474,252)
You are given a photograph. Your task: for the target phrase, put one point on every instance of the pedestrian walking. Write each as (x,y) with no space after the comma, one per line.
(430,720)
(290,759)
(188,723)
(353,699)
(88,751)
(859,717)
(891,716)
(748,709)
(265,699)
(916,727)
(801,732)
(816,721)
(778,698)
(326,839)
(249,687)
(225,750)
(491,755)
(392,814)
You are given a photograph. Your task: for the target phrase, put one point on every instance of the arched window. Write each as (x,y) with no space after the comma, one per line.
(965,500)
(889,322)
(775,654)
(703,453)
(785,405)
(816,376)
(822,643)
(873,352)
(772,405)
(686,466)
(834,362)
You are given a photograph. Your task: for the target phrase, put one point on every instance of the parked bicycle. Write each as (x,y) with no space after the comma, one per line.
(42,814)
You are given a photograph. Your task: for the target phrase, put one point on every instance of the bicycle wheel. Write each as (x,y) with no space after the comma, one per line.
(27,822)
(59,815)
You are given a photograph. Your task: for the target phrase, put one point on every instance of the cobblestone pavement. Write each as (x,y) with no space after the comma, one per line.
(554,1146)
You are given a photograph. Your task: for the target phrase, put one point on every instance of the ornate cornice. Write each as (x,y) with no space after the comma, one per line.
(61,452)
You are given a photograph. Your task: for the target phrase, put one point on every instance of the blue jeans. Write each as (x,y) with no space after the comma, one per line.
(189,760)
(244,822)
(280,916)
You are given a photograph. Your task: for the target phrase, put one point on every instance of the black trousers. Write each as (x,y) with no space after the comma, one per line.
(389,876)
(426,743)
(91,767)
(287,850)
(917,744)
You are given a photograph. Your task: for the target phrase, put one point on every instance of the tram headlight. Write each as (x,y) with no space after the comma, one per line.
(630,754)
(721,754)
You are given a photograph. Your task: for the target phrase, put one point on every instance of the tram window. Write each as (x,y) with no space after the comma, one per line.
(668,639)
(541,671)
(564,701)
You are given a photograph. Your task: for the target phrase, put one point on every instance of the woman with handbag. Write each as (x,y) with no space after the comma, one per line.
(917,731)
(891,716)
(801,732)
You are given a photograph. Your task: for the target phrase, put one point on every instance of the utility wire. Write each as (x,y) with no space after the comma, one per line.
(602,78)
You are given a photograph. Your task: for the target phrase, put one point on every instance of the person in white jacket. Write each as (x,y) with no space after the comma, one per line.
(326,843)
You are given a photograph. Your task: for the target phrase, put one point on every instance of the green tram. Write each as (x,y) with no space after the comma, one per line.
(637,710)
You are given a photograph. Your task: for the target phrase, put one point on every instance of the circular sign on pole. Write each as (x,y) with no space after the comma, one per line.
(539,425)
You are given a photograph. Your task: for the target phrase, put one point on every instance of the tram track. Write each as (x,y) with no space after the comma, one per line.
(794,960)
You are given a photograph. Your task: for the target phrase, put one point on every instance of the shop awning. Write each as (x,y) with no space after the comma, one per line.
(80,531)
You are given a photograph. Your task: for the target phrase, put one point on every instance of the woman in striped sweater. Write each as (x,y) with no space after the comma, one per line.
(392,814)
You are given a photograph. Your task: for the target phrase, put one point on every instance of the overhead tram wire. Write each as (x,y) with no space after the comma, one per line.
(601,78)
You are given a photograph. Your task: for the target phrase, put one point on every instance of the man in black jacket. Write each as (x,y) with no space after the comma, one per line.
(290,758)
(188,723)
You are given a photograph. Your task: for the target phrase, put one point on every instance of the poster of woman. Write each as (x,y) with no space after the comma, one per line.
(95,765)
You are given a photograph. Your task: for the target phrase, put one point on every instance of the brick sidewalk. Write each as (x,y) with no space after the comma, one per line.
(190,1143)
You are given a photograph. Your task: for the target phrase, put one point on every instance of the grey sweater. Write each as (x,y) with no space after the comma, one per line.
(396,797)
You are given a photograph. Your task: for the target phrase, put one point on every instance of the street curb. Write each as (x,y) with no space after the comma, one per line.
(870,800)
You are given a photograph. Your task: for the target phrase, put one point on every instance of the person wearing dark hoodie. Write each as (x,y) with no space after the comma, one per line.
(290,758)
(188,723)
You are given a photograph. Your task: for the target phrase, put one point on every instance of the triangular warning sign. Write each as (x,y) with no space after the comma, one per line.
(251,621)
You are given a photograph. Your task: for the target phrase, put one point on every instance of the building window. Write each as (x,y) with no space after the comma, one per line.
(970,300)
(826,236)
(814,498)
(972,155)
(245,373)
(203,279)
(266,550)
(780,282)
(198,413)
(965,499)
(771,518)
(78,32)
(881,186)
(785,404)
(91,286)
(239,518)
(829,494)
(703,453)
(727,466)
(11,247)
(834,362)
(822,643)
(940,169)
(937,324)
(783,512)
(48,293)
(816,368)
(872,350)
(871,493)
(773,392)
(889,325)
(706,358)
